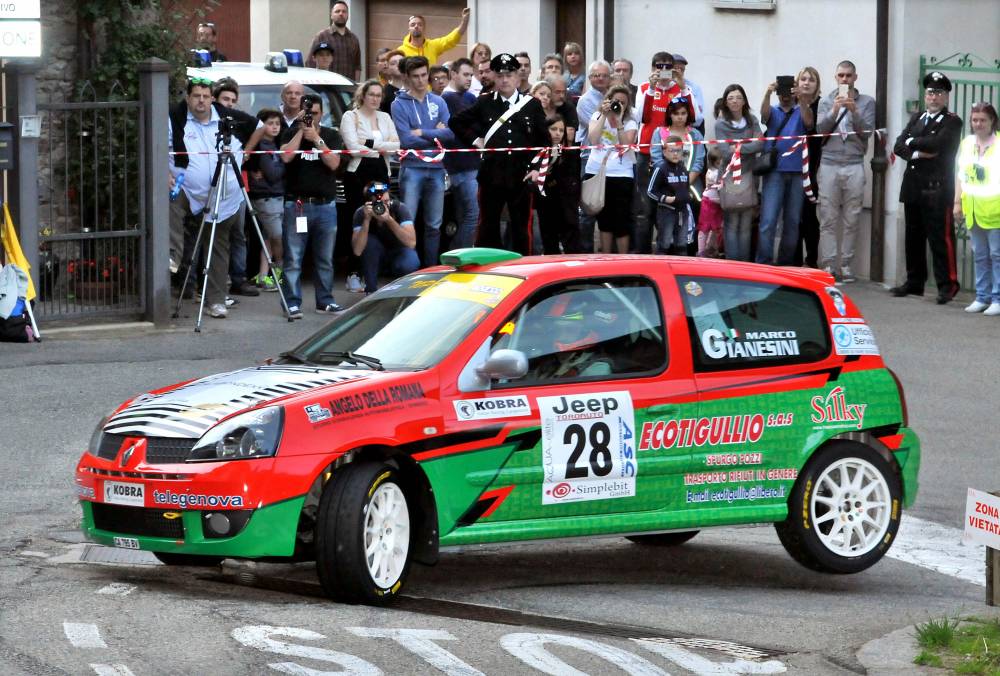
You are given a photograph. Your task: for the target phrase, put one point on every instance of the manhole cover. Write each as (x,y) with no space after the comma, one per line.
(126,557)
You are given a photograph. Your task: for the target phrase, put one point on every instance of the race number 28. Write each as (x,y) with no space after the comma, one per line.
(600,454)
(588,447)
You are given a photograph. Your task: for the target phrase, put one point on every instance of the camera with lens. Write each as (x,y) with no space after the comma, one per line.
(226,125)
(308,101)
(375,192)
(616,107)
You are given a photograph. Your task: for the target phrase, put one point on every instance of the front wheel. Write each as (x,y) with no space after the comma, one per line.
(844,510)
(363,534)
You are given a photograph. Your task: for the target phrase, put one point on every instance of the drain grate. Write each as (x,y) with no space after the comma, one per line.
(114,555)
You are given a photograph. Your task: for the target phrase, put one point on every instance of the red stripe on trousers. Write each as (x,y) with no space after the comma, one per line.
(531,229)
(949,242)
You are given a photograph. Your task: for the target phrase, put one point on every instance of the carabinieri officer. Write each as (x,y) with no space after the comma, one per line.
(504,119)
(929,144)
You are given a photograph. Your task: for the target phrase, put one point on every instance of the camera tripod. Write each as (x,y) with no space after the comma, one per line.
(225,163)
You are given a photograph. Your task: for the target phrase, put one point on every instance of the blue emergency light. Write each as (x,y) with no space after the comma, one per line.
(294,57)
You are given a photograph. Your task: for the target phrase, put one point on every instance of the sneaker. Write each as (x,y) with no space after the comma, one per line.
(354,283)
(266,282)
(217,310)
(977,306)
(993,310)
(846,276)
(231,301)
(294,312)
(329,309)
(828,270)
(244,289)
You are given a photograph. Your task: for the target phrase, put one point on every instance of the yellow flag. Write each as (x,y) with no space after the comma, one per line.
(8,236)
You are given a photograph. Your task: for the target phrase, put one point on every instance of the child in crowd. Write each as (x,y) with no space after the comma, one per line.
(266,174)
(710,217)
(558,218)
(669,187)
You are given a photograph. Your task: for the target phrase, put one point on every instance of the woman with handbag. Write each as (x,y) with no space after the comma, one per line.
(734,121)
(611,170)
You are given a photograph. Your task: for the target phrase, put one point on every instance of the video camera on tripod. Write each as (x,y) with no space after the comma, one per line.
(225,133)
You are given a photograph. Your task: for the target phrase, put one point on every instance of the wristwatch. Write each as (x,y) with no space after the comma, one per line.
(320,143)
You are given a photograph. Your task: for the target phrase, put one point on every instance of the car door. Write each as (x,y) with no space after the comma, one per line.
(598,374)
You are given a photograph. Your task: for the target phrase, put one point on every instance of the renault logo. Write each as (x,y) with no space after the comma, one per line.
(127,455)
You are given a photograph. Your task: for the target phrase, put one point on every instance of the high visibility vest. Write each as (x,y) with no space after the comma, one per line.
(980,181)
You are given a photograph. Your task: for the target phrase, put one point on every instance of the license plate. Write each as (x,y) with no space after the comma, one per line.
(127,543)
(121,493)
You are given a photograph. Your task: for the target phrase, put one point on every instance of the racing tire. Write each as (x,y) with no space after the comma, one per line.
(363,534)
(843,511)
(199,560)
(662,539)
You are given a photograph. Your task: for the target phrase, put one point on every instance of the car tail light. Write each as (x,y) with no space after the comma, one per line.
(902,398)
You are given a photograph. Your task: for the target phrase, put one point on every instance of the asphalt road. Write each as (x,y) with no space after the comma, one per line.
(491,609)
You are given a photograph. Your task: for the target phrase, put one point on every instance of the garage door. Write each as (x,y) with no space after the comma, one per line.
(388,19)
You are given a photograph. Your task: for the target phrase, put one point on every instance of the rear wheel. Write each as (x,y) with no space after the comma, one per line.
(663,539)
(363,534)
(844,510)
(172,559)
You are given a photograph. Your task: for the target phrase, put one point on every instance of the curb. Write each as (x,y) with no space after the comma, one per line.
(892,655)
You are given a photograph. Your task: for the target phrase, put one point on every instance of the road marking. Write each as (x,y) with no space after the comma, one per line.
(421,642)
(939,548)
(117,589)
(111,670)
(83,635)
(530,649)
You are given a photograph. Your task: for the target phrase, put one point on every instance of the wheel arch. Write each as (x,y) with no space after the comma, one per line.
(865,438)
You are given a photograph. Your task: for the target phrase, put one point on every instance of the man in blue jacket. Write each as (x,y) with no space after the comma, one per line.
(421,119)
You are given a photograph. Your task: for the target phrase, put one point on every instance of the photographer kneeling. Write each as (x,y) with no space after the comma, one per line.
(383,234)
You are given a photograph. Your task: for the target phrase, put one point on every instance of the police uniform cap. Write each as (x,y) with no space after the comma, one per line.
(504,63)
(321,46)
(937,80)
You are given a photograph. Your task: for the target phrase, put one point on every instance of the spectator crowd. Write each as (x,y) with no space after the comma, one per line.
(647,179)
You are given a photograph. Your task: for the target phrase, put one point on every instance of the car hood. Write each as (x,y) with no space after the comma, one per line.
(188,410)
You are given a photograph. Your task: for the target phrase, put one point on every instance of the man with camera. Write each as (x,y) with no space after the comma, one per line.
(310,210)
(383,236)
(198,129)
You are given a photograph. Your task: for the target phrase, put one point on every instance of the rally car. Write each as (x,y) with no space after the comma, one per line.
(499,398)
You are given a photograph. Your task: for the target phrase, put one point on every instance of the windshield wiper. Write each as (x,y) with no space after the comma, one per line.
(355,358)
(295,356)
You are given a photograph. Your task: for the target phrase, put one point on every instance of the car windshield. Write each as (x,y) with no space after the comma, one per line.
(336,100)
(409,324)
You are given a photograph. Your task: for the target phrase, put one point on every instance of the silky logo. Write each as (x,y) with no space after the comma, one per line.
(833,408)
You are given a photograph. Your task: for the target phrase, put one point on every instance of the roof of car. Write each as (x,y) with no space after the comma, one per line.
(543,266)
(248,74)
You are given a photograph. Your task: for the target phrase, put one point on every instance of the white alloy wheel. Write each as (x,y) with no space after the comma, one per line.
(851,507)
(387,535)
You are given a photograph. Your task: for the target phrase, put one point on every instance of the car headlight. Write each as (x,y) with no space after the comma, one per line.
(95,439)
(254,434)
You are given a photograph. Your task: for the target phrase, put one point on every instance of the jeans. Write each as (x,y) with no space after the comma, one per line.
(238,249)
(643,208)
(465,192)
(401,260)
(737,230)
(671,230)
(425,185)
(841,193)
(782,194)
(322,236)
(986,257)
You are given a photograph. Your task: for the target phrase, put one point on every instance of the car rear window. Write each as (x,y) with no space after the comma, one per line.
(736,324)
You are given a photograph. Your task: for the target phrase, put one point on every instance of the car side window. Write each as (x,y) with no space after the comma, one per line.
(591,329)
(738,324)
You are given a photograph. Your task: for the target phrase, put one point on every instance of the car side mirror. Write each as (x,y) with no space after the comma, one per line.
(504,364)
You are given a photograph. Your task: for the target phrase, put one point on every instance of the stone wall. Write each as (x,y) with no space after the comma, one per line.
(59,62)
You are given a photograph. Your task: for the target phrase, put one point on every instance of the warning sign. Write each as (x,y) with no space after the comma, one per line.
(982,518)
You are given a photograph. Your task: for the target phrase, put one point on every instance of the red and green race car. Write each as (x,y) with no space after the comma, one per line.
(499,398)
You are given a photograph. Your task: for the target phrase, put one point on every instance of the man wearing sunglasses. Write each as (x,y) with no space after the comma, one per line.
(929,144)
(206,38)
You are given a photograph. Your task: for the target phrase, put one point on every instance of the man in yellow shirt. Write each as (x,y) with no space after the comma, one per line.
(415,44)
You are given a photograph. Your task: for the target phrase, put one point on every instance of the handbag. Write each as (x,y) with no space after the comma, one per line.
(768,160)
(592,190)
(738,196)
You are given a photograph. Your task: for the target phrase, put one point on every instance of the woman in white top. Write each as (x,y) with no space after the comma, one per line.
(371,137)
(613,124)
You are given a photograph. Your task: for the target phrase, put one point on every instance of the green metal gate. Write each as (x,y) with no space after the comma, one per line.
(973,80)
